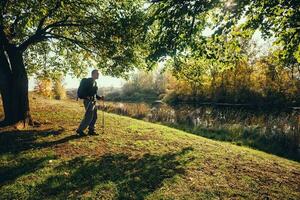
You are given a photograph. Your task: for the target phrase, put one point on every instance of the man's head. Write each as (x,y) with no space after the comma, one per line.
(95,74)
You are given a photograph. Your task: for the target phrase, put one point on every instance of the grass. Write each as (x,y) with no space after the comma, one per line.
(280,144)
(276,133)
(133,159)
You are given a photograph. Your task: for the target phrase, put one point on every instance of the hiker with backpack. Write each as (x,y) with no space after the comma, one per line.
(88,92)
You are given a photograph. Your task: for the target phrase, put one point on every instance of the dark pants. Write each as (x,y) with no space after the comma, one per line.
(90,116)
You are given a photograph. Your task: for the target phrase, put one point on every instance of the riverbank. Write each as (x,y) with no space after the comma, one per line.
(133,159)
(276,132)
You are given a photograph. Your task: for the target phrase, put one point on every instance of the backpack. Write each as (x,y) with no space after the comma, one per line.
(83,88)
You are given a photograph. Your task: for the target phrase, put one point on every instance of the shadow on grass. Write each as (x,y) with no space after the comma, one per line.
(277,144)
(18,141)
(25,166)
(114,176)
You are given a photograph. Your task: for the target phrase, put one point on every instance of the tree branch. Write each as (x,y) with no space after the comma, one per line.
(50,13)
(3,38)
(3,5)
(39,34)
(66,24)
(12,28)
(156,1)
(56,24)
(291,37)
(74,41)
(193,22)
(37,37)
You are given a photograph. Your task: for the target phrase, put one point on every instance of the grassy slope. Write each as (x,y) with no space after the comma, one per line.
(132,160)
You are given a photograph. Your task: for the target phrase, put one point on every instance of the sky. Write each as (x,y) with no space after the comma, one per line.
(71,82)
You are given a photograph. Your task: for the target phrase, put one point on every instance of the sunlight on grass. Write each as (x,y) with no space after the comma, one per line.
(133,159)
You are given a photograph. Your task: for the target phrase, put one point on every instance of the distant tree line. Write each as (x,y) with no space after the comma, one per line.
(260,82)
(141,87)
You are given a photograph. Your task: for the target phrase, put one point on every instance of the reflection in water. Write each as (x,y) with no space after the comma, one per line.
(279,128)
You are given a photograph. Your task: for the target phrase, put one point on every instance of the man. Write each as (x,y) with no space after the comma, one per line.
(89,101)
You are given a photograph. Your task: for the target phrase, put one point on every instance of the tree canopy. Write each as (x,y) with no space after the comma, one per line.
(179,25)
(68,35)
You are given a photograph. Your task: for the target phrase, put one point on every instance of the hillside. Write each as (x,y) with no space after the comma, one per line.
(132,160)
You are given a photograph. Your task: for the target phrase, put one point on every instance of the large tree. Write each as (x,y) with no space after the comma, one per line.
(63,35)
(180,24)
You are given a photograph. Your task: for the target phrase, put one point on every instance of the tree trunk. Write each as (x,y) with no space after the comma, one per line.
(5,79)
(14,87)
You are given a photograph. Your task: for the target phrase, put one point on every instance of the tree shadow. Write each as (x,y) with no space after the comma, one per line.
(276,144)
(18,141)
(26,166)
(131,178)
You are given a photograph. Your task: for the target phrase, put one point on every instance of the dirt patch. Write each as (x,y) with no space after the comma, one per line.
(67,150)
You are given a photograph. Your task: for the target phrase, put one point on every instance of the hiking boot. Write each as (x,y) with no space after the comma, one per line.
(80,133)
(92,132)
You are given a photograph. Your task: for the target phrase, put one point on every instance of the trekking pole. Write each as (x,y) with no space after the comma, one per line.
(103,115)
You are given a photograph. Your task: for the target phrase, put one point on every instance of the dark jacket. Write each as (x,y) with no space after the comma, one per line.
(93,88)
